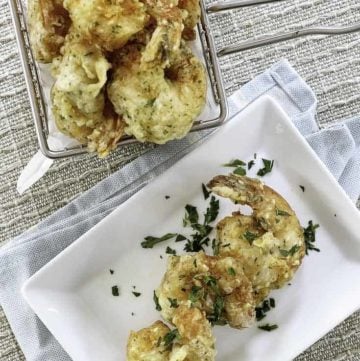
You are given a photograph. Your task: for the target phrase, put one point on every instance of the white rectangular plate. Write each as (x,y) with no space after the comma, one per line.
(72,294)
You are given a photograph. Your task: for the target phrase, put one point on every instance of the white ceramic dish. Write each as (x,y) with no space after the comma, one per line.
(72,294)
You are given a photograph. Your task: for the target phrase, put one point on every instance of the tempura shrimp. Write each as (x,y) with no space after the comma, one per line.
(191,340)
(78,97)
(49,23)
(269,243)
(158,93)
(191,17)
(217,286)
(108,23)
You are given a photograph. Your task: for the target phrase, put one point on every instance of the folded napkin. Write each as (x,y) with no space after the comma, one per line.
(338,147)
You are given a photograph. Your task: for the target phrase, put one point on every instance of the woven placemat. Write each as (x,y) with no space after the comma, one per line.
(331,65)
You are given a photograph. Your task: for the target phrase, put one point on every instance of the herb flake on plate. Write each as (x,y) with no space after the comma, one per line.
(170,251)
(136,294)
(156,301)
(268,327)
(235,163)
(206,192)
(309,237)
(151,241)
(268,166)
(115,291)
(170,337)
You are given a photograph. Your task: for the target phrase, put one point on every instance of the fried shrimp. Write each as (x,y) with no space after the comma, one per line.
(217,286)
(107,23)
(159,94)
(49,23)
(269,243)
(191,17)
(78,97)
(191,340)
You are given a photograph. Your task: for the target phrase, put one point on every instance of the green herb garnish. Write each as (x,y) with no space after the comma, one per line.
(263,308)
(235,163)
(167,197)
(309,237)
(212,211)
(150,241)
(240,171)
(289,252)
(250,237)
(215,246)
(268,327)
(279,212)
(194,294)
(136,294)
(156,301)
(173,303)
(170,337)
(180,238)
(170,251)
(215,317)
(250,164)
(111,271)
(231,271)
(191,215)
(206,192)
(302,188)
(115,291)
(268,165)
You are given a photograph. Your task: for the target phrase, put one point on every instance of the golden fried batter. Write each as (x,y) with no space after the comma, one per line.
(110,24)
(191,17)
(78,100)
(48,25)
(158,94)
(192,340)
(269,243)
(215,285)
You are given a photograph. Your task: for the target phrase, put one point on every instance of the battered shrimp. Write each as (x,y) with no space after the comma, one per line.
(269,243)
(191,17)
(79,104)
(107,23)
(215,285)
(159,93)
(191,340)
(48,24)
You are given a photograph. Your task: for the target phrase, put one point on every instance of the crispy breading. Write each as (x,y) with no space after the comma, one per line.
(269,243)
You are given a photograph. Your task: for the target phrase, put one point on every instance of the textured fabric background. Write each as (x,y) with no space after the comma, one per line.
(330,65)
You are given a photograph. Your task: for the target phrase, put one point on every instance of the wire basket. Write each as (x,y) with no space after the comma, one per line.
(209,52)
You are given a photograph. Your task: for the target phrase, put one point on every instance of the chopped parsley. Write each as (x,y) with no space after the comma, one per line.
(136,294)
(195,294)
(115,291)
(206,192)
(191,215)
(167,197)
(231,271)
(111,271)
(170,251)
(268,165)
(250,237)
(235,163)
(215,316)
(215,246)
(240,171)
(302,188)
(180,238)
(150,241)
(132,314)
(309,237)
(173,303)
(195,263)
(279,212)
(250,164)
(170,337)
(263,308)
(212,211)
(289,252)
(156,301)
(268,327)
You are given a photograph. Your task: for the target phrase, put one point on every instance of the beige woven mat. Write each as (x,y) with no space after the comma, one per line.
(330,65)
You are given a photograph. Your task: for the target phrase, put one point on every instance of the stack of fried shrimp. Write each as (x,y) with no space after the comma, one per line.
(120,67)
(198,290)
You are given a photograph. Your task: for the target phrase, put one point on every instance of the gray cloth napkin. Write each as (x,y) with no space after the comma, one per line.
(338,147)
